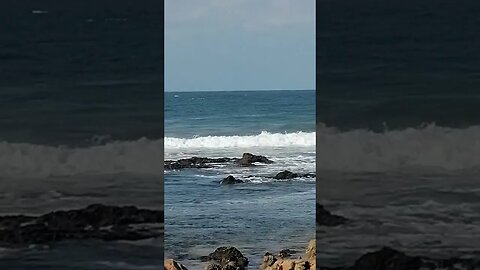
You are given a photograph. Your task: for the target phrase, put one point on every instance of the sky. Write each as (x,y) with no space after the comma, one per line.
(239,45)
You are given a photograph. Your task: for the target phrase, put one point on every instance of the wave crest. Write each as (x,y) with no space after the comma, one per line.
(264,139)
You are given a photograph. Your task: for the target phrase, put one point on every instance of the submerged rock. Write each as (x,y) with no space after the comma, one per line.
(230,180)
(325,218)
(93,222)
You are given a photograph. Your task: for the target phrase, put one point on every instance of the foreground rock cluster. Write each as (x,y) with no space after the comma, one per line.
(230,258)
(96,221)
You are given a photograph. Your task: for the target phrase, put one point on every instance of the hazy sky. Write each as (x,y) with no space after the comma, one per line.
(239,44)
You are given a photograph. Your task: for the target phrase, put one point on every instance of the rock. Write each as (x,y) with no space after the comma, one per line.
(193,163)
(285,253)
(173,265)
(93,222)
(203,162)
(228,258)
(285,175)
(280,262)
(325,218)
(248,160)
(311,252)
(213,266)
(290,175)
(390,259)
(230,180)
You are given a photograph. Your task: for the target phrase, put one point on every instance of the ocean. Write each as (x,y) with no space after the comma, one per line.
(398,128)
(259,215)
(81,122)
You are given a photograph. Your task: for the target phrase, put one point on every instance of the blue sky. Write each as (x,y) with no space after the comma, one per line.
(239,44)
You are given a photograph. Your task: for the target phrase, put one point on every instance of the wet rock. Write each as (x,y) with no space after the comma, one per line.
(390,259)
(173,265)
(193,163)
(230,180)
(271,262)
(285,253)
(203,162)
(285,175)
(93,222)
(325,218)
(228,258)
(248,160)
(213,266)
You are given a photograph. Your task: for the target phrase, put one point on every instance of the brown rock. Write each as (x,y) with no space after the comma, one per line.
(173,265)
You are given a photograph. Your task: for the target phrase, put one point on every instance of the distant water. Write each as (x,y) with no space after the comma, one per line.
(259,215)
(398,127)
(80,121)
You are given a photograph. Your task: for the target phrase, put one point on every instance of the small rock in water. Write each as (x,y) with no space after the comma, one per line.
(325,218)
(248,159)
(230,180)
(285,175)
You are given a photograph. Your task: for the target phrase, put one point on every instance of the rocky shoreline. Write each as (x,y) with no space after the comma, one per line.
(230,258)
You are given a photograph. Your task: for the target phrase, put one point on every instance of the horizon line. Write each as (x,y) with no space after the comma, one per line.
(235,90)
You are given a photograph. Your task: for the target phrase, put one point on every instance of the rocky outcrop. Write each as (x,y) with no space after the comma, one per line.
(277,262)
(226,258)
(93,222)
(248,160)
(173,265)
(284,175)
(193,163)
(203,162)
(325,218)
(391,259)
(230,180)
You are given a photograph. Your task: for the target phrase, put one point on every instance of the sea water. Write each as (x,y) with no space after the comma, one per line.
(260,215)
(398,131)
(80,122)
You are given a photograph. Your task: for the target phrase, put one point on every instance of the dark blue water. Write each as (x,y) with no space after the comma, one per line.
(238,112)
(81,121)
(260,214)
(397,88)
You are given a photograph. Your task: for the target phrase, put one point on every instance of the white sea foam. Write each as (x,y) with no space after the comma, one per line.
(426,147)
(264,139)
(27,160)
(429,147)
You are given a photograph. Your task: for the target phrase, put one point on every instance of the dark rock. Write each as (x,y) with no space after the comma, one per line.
(248,160)
(228,258)
(213,266)
(193,163)
(94,222)
(230,180)
(285,175)
(390,259)
(325,218)
(203,162)
(285,253)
